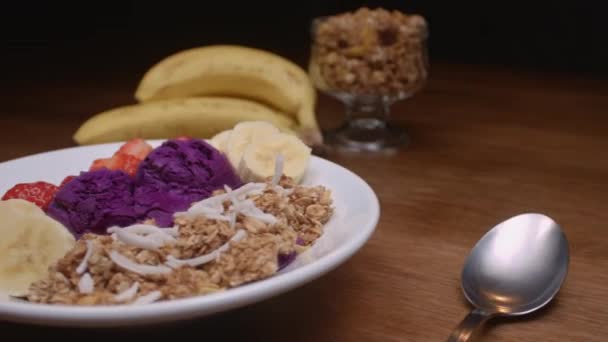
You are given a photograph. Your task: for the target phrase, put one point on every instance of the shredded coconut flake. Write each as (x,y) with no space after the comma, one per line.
(145,229)
(144,235)
(132,266)
(148,298)
(138,240)
(254,192)
(232,219)
(127,294)
(234,199)
(173,231)
(210,210)
(213,208)
(218,217)
(278,169)
(161,238)
(86,284)
(215,202)
(248,208)
(207,208)
(203,259)
(85,260)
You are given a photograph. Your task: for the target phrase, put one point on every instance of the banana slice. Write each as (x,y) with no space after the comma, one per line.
(31,242)
(258,162)
(219,140)
(244,134)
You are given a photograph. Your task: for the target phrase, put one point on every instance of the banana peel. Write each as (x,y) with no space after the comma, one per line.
(236,71)
(200,117)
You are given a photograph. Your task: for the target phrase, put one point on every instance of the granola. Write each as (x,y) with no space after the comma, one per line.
(370,52)
(230,239)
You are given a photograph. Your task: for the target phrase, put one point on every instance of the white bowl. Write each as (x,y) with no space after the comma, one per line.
(356,214)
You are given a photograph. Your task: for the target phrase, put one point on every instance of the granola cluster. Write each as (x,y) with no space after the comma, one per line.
(370,52)
(104,269)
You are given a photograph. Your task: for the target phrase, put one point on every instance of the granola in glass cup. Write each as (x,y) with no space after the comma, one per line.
(369,59)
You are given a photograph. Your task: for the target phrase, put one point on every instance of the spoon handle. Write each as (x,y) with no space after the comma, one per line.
(469,326)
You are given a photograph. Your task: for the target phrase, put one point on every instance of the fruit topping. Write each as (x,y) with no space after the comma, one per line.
(40,193)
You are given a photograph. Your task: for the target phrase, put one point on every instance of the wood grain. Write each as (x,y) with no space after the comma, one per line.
(487,143)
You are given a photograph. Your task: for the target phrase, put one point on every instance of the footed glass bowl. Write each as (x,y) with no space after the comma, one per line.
(368,68)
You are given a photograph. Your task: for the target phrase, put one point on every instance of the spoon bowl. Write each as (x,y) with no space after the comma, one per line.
(515,268)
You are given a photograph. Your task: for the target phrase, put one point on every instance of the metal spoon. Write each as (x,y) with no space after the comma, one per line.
(516,268)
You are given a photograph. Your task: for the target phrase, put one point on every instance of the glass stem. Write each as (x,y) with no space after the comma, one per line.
(368,114)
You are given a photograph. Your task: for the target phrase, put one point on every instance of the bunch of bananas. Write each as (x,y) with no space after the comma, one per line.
(202,91)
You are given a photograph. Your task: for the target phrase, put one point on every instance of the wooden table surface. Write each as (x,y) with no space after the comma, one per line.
(487,143)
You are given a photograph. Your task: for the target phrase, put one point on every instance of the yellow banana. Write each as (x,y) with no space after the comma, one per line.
(238,71)
(200,117)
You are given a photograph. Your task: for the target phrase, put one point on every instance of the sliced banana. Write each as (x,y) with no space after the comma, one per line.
(258,162)
(219,140)
(30,242)
(244,134)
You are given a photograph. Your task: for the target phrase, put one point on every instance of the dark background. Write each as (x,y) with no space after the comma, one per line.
(110,38)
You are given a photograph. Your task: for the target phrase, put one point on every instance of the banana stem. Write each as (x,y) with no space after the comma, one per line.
(309,130)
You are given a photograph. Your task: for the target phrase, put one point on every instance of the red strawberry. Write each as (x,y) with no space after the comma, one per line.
(120,161)
(126,162)
(136,147)
(101,164)
(127,158)
(39,193)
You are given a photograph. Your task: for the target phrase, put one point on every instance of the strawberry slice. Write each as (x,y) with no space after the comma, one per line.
(126,162)
(127,158)
(120,161)
(103,163)
(40,193)
(136,147)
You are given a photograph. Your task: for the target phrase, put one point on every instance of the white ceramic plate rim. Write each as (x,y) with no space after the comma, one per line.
(176,309)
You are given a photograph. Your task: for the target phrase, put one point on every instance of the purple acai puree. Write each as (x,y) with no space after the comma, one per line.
(94,201)
(285,259)
(177,174)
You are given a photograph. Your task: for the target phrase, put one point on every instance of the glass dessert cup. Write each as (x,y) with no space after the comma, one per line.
(367,126)
(368,75)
